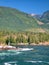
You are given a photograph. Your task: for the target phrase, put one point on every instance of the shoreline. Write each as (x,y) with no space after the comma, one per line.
(34,44)
(8,47)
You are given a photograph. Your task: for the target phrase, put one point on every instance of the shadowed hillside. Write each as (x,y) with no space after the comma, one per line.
(45,17)
(43,20)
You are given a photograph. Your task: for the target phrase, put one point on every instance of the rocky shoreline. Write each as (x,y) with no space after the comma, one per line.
(8,47)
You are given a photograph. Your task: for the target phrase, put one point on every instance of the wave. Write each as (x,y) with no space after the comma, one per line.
(38,62)
(9,53)
(35,61)
(15,52)
(15,62)
(25,49)
(10,63)
(7,64)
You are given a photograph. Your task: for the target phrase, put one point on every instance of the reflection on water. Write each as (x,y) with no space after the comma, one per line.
(31,55)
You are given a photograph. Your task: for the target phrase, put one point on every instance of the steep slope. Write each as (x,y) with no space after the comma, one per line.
(45,17)
(43,20)
(14,20)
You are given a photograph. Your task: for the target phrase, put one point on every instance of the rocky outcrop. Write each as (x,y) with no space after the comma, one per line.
(7,48)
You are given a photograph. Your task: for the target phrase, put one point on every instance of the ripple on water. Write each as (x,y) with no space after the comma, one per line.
(38,62)
(9,53)
(14,52)
(7,64)
(26,49)
(11,63)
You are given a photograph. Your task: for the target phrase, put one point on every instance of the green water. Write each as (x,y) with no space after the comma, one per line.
(39,55)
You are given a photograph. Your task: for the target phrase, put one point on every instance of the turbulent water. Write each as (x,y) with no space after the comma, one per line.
(31,55)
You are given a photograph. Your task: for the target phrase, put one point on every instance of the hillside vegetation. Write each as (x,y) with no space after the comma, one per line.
(14,20)
(19,27)
(45,17)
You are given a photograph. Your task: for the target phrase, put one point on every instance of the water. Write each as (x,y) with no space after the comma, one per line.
(29,55)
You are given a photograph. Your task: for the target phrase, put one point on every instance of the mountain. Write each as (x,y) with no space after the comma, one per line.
(36,16)
(45,17)
(14,20)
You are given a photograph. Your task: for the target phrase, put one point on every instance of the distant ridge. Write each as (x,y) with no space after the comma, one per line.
(45,17)
(17,21)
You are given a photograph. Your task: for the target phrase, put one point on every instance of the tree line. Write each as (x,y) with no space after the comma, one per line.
(25,38)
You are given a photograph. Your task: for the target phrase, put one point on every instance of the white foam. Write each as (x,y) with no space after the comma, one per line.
(38,62)
(9,53)
(21,49)
(7,64)
(12,50)
(13,62)
(15,52)
(35,61)
(26,49)
(10,63)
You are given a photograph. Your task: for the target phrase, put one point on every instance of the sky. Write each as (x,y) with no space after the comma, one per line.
(28,6)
